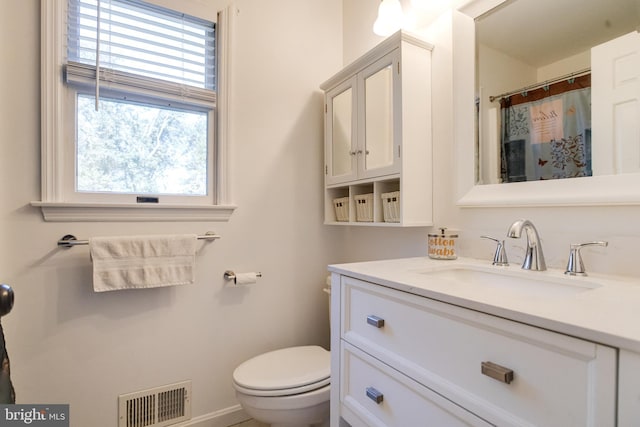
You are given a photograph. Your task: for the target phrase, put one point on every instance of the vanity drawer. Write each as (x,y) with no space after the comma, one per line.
(378,395)
(557,380)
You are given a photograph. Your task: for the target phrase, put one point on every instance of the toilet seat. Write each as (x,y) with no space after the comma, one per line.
(284,372)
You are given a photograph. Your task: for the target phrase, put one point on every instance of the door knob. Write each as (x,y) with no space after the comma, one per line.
(6,299)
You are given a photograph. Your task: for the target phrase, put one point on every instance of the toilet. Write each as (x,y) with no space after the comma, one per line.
(287,387)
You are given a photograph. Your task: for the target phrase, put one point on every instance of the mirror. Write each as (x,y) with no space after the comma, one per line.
(528,49)
(605,188)
(379,118)
(341,133)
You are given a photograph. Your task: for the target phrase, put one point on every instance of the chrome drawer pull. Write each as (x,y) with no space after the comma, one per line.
(497,372)
(375,321)
(375,395)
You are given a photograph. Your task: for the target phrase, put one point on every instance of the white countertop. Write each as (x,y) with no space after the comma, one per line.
(605,309)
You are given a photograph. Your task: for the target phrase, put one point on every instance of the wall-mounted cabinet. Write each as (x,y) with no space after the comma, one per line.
(378,137)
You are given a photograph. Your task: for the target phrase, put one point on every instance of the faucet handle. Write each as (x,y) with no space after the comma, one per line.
(500,257)
(575,267)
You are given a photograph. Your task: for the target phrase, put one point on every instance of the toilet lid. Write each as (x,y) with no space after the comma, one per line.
(298,368)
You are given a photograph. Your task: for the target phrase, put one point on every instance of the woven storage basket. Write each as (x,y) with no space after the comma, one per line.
(391,206)
(364,207)
(341,206)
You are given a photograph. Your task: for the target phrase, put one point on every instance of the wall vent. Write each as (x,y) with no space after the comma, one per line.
(156,407)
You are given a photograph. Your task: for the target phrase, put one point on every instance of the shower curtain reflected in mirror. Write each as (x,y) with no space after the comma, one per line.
(546,132)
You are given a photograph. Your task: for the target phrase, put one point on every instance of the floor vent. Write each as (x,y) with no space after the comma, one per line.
(156,407)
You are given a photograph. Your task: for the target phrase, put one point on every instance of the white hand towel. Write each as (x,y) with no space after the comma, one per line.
(131,262)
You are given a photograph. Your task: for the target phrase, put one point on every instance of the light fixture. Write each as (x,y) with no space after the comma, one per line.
(420,4)
(390,18)
(427,5)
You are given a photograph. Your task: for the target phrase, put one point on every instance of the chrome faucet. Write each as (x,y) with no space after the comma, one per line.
(500,256)
(534,258)
(575,266)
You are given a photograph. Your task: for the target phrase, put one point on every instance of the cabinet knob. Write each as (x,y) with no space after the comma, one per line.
(375,395)
(497,372)
(376,321)
(352,153)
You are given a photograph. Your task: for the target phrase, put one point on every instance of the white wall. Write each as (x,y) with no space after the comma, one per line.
(70,345)
(577,62)
(358,19)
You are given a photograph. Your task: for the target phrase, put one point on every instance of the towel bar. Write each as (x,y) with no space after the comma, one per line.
(70,240)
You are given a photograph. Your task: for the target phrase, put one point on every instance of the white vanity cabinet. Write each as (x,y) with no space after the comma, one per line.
(378,133)
(401,359)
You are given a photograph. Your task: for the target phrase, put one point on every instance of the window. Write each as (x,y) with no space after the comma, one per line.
(147,134)
(131,148)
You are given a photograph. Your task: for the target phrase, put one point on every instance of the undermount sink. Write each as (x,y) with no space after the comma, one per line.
(524,282)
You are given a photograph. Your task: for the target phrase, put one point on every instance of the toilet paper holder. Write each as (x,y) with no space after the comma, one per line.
(230,275)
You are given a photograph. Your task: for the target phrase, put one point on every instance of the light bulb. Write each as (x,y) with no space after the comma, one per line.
(419,4)
(390,18)
(426,5)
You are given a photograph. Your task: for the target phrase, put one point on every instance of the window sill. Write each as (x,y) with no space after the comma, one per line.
(94,212)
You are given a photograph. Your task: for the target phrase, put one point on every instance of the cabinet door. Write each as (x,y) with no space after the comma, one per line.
(341,128)
(379,138)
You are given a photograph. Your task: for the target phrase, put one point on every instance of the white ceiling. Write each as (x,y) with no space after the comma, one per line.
(540,32)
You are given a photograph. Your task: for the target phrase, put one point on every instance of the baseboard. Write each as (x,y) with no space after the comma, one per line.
(222,418)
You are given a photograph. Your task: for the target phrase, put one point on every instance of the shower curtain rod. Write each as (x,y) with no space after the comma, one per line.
(542,84)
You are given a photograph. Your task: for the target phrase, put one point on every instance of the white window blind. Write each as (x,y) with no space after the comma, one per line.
(142,48)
